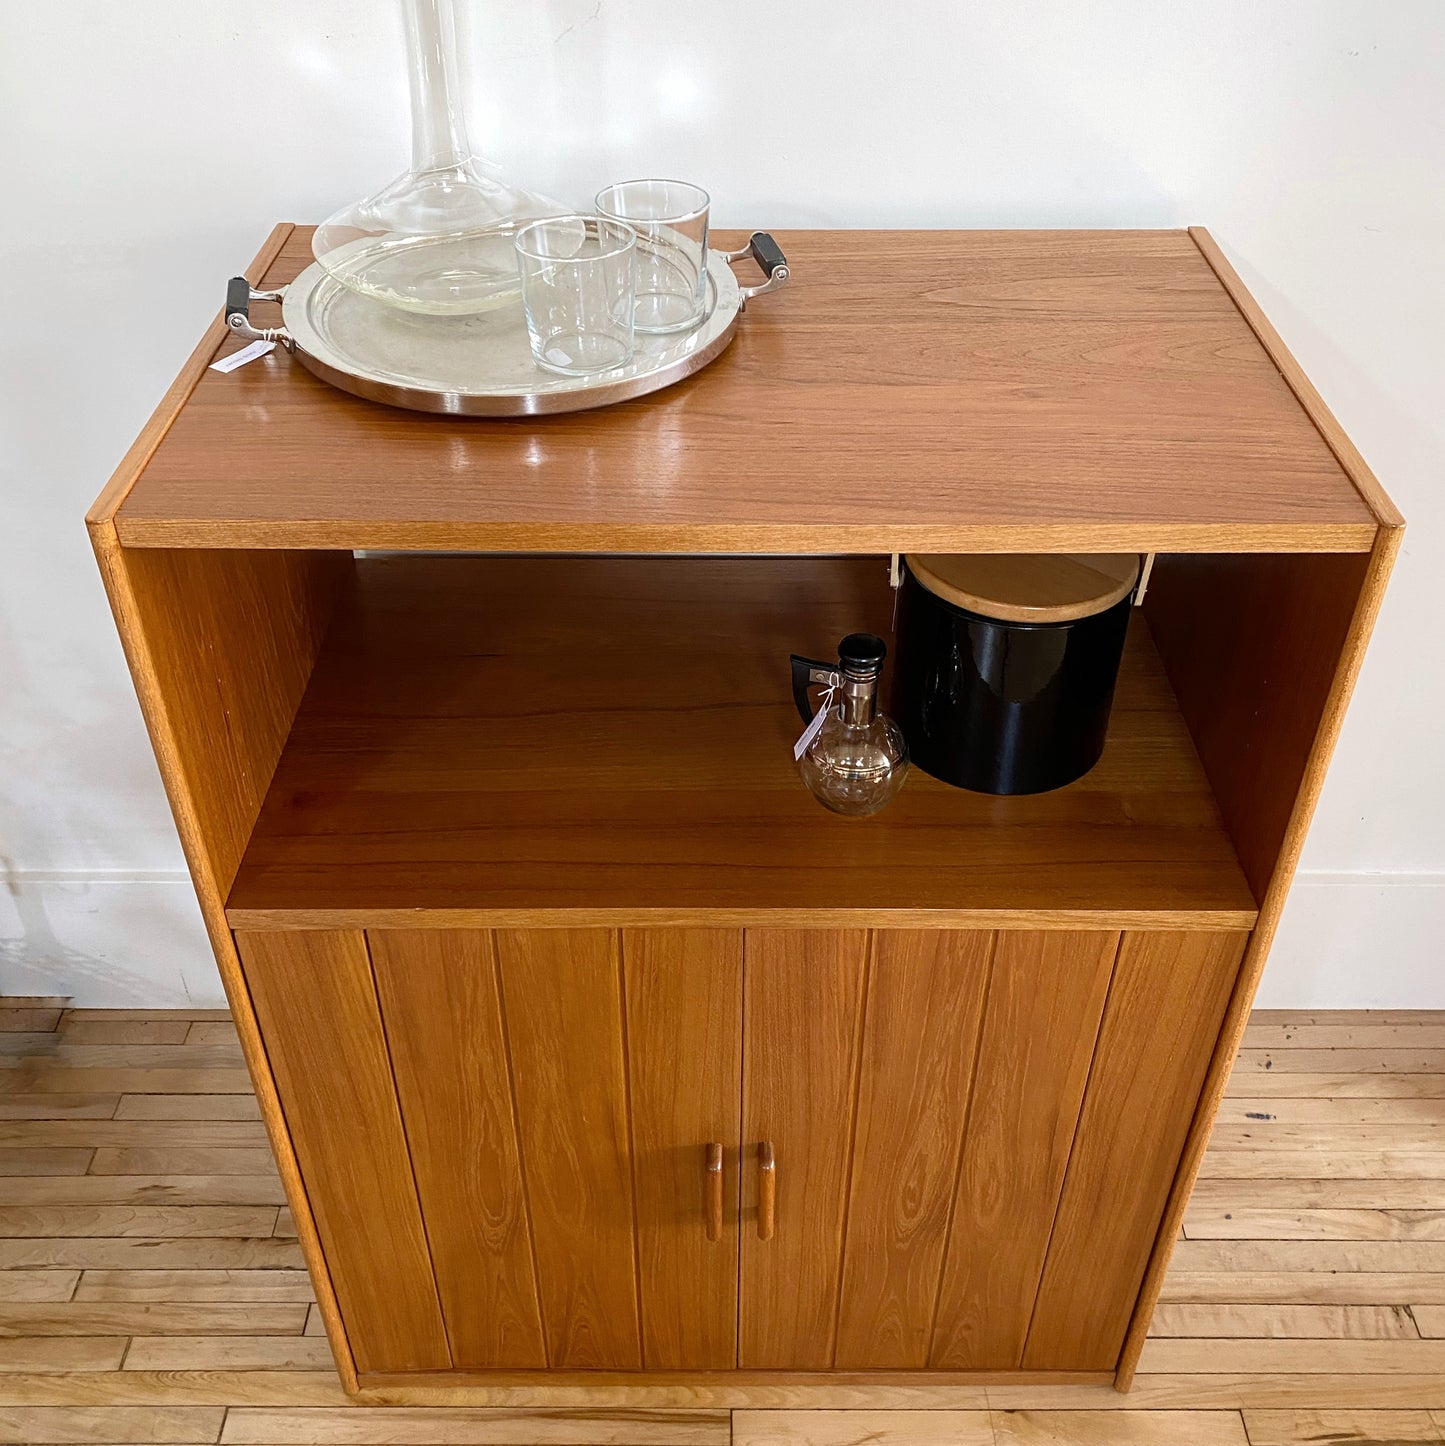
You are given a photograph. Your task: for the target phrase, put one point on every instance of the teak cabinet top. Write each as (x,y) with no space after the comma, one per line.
(925,390)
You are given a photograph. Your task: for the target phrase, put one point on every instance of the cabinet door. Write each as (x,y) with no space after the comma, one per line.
(858,1054)
(802,1012)
(684,993)
(972,1138)
(560,1090)
(319,1019)
(1165,1008)
(442,1005)
(1046,994)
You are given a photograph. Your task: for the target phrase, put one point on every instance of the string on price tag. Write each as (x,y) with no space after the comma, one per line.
(815,727)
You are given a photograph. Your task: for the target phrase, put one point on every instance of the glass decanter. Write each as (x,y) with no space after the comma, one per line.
(852,757)
(437,239)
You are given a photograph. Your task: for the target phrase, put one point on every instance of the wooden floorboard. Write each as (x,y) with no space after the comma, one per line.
(152,1291)
(1286,1428)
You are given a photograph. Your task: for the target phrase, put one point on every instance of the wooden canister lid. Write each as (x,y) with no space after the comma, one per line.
(1028,588)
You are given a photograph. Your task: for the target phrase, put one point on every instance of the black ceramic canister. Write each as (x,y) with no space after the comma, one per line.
(1010,694)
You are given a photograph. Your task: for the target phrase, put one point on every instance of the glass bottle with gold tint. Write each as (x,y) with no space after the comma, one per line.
(852,757)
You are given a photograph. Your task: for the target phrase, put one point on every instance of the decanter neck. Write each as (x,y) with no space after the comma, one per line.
(859,699)
(438,127)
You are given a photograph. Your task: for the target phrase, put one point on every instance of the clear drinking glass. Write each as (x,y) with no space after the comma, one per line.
(577,288)
(670,218)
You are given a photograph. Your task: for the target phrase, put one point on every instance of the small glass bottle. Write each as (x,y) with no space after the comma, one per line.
(852,757)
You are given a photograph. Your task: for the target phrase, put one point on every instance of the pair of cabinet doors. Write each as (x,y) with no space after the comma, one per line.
(688,1149)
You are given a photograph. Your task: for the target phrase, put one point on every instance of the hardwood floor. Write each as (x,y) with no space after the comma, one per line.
(152,1291)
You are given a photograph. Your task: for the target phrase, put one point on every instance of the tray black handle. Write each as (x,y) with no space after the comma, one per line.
(765,251)
(238,302)
(239,296)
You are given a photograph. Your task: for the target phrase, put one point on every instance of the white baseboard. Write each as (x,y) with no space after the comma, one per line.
(1359,941)
(114,941)
(111,941)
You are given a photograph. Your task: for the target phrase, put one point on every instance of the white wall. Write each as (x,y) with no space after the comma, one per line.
(145,150)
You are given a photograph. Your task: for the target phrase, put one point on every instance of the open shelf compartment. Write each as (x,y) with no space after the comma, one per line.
(508,740)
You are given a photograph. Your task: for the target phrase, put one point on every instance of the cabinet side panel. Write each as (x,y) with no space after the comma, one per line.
(145,618)
(1045,998)
(803,1012)
(1381,561)
(562,1007)
(1251,643)
(925,997)
(232,639)
(684,992)
(1161,1020)
(443,1019)
(317,1007)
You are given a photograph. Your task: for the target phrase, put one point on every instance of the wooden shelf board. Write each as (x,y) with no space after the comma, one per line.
(924,391)
(506,741)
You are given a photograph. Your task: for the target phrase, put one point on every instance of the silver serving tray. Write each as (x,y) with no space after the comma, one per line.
(481,365)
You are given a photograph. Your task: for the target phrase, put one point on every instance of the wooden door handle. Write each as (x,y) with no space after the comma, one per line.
(767,1190)
(713,1191)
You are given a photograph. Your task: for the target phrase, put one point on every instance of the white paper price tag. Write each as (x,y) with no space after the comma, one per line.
(240,358)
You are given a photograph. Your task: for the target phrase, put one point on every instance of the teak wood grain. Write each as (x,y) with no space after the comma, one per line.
(1045,997)
(802,1021)
(1166,1001)
(684,1002)
(564,740)
(959,429)
(1251,645)
(854,1056)
(316,1001)
(441,1009)
(562,998)
(207,662)
(1320,746)
(232,637)
(924,1000)
(909,391)
(1335,437)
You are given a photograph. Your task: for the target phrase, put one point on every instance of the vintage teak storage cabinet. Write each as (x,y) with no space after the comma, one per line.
(591,1048)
